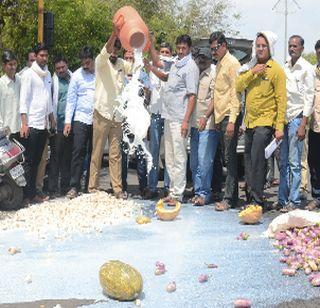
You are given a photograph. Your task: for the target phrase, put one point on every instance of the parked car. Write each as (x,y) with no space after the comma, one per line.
(240,48)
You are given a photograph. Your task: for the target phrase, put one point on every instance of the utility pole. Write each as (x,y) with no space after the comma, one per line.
(285,28)
(286,13)
(40,21)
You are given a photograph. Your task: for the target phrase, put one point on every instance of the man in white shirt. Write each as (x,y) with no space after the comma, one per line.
(300,94)
(10,95)
(31,57)
(79,112)
(157,121)
(314,139)
(36,116)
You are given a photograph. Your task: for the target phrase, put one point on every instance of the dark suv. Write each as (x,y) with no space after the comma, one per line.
(240,48)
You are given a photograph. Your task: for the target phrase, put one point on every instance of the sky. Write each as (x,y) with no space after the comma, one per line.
(257,15)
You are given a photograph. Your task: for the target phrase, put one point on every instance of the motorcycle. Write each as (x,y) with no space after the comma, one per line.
(12,179)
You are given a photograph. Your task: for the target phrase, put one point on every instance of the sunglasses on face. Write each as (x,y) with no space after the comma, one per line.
(215,49)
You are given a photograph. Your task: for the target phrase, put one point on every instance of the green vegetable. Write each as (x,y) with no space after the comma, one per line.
(120,280)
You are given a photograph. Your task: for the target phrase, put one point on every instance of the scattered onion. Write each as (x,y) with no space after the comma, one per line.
(301,250)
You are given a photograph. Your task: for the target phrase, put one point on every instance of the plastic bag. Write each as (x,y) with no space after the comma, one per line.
(296,218)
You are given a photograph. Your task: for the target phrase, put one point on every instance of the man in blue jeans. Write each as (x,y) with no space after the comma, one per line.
(157,122)
(300,94)
(204,142)
(226,109)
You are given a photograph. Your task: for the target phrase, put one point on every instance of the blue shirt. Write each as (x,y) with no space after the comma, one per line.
(80,97)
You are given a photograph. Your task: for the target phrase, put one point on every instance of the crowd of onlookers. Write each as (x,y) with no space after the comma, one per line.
(204,94)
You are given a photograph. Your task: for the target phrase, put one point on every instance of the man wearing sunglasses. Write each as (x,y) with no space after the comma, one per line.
(226,108)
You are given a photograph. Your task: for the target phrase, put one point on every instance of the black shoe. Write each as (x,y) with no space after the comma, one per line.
(149,195)
(53,195)
(164,193)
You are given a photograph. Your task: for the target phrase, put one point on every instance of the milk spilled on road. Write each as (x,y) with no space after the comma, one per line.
(136,118)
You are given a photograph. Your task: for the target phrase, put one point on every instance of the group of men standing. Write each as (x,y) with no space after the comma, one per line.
(261,98)
(211,96)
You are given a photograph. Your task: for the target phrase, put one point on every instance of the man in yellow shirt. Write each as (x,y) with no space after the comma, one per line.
(226,108)
(264,82)
(110,77)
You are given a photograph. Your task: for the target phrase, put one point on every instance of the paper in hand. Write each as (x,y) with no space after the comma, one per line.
(271,147)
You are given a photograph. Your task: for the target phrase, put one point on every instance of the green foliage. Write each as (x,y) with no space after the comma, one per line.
(79,23)
(311,57)
(89,22)
(19,26)
(200,17)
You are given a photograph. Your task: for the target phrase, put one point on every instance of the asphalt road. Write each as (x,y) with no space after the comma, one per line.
(65,272)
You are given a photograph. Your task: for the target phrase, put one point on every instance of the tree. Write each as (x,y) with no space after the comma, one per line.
(19,26)
(311,57)
(80,23)
(200,17)
(6,8)
(89,22)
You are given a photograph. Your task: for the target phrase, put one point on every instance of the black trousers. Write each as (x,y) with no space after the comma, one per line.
(314,163)
(227,152)
(34,145)
(256,140)
(81,153)
(217,176)
(60,162)
(141,168)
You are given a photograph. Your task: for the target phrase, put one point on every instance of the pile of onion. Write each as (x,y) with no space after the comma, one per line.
(301,251)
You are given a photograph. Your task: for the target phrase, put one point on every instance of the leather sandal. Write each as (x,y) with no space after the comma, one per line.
(193,199)
(72,193)
(312,205)
(199,201)
(222,206)
(172,202)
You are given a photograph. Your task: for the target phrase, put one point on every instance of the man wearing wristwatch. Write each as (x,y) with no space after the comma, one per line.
(179,100)
(226,108)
